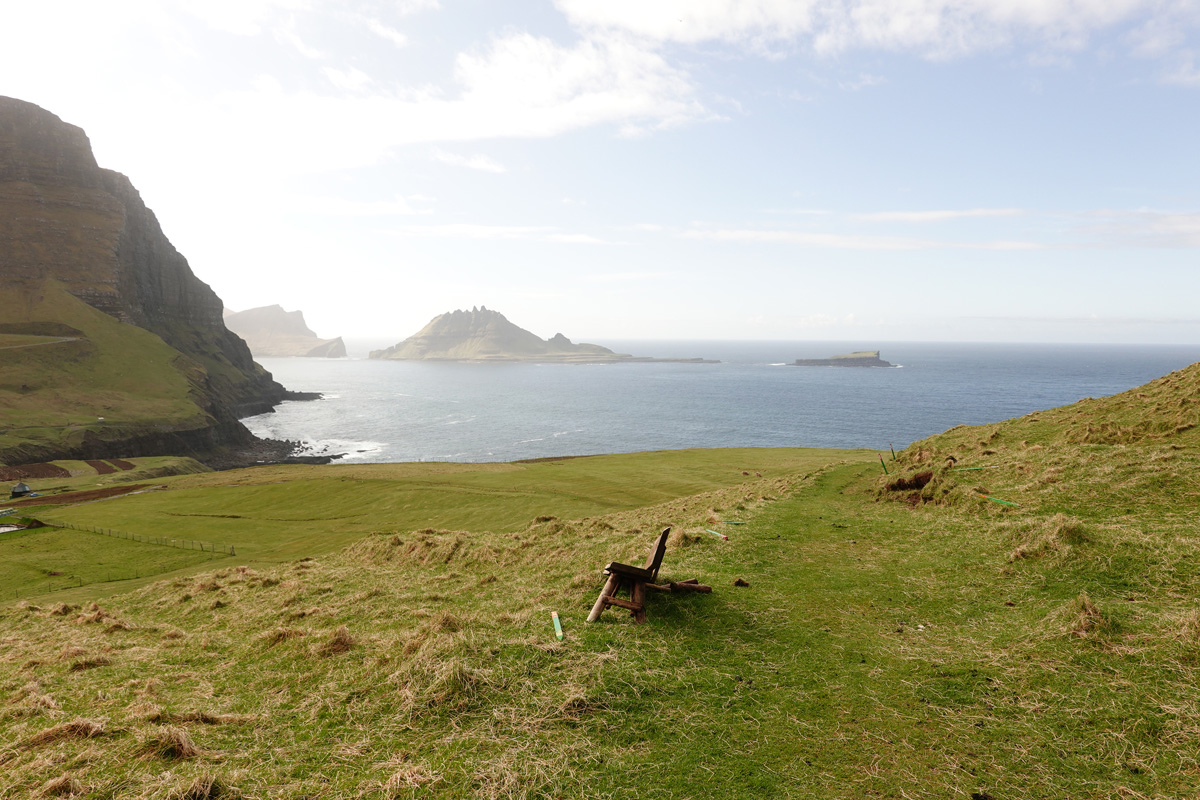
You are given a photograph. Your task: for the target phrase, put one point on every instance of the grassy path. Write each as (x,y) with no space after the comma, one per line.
(872,656)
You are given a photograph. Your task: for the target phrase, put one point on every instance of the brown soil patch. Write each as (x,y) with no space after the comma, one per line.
(122,464)
(101,467)
(68,498)
(16,473)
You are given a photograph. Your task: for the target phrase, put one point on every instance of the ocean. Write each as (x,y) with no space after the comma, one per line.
(384,411)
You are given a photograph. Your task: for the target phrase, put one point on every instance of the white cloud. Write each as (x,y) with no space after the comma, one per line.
(846,241)
(938,216)
(387,32)
(863,81)
(1145,228)
(513,232)
(932,27)
(478,162)
(406,7)
(624,277)
(239,17)
(1185,72)
(349,80)
(542,88)
(398,206)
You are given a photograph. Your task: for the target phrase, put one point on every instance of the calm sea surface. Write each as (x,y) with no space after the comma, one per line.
(413,411)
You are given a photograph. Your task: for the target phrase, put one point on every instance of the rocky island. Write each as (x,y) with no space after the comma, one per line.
(109,343)
(272,332)
(859,358)
(485,335)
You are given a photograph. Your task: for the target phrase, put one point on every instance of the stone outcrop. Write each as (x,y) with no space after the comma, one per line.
(63,217)
(270,331)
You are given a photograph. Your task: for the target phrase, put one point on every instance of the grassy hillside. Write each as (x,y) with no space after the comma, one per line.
(84,366)
(900,636)
(287,512)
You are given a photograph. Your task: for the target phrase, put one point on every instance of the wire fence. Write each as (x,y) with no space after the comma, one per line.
(161,541)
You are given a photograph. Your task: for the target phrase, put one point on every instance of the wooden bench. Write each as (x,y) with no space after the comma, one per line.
(637,580)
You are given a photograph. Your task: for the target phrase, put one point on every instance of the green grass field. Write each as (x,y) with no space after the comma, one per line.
(53,394)
(287,512)
(899,636)
(43,560)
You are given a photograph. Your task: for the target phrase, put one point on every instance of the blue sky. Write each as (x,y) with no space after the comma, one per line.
(991,170)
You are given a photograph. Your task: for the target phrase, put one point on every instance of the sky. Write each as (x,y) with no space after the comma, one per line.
(866,170)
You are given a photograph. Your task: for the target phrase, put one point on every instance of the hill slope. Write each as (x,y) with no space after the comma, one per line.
(878,644)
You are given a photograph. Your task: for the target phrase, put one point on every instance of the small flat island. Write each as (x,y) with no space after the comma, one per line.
(859,358)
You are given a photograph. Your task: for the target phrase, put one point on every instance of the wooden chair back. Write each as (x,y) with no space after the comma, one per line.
(654,560)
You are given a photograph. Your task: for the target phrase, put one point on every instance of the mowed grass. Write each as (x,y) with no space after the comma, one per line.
(43,560)
(286,512)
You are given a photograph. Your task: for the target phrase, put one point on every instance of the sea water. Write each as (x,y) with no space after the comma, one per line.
(445,411)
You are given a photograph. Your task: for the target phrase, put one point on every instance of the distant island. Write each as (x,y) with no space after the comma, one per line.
(485,335)
(859,358)
(271,331)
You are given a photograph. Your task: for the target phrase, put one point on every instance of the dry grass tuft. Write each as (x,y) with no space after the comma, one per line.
(1189,627)
(78,728)
(204,787)
(1056,535)
(62,786)
(278,635)
(1088,620)
(340,641)
(161,717)
(89,663)
(62,610)
(446,622)
(71,651)
(407,778)
(170,744)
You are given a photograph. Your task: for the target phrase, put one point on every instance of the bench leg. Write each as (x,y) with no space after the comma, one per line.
(638,595)
(605,593)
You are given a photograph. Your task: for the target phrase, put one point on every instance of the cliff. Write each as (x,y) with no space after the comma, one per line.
(271,331)
(64,217)
(69,227)
(484,335)
(860,358)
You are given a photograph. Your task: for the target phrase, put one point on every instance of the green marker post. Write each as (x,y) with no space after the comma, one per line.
(558,631)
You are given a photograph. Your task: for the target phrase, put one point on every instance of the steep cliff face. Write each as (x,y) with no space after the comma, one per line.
(271,331)
(62,217)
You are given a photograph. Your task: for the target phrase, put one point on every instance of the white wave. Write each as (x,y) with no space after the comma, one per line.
(347,449)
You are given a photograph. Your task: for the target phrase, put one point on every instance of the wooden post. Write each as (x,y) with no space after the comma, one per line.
(638,595)
(605,593)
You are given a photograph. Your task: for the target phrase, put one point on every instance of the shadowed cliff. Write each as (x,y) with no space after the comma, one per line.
(67,225)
